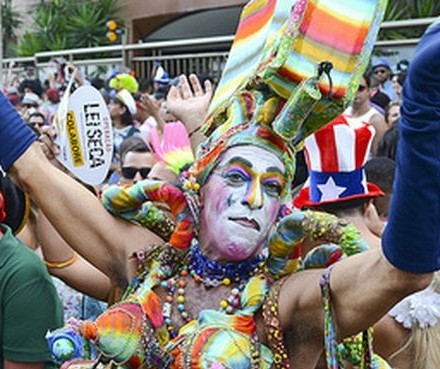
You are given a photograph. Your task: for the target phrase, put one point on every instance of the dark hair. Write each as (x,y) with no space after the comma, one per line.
(388,108)
(387,145)
(132,144)
(146,85)
(367,79)
(98,83)
(33,84)
(401,77)
(345,208)
(380,99)
(126,118)
(381,171)
(37,114)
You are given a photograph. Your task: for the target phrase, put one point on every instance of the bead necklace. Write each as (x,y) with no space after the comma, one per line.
(214,273)
(210,274)
(175,298)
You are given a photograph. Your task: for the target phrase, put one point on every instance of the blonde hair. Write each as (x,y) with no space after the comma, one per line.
(423,344)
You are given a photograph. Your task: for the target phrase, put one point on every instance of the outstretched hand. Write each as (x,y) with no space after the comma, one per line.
(151,106)
(189,102)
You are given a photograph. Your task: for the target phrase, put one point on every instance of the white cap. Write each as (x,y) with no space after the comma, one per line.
(31,99)
(127,99)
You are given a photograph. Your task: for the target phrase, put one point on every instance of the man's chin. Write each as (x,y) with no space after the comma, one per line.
(236,252)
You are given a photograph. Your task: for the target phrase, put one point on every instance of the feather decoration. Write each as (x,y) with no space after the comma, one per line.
(175,147)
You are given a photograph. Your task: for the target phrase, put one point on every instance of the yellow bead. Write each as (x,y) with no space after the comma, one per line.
(196,186)
(224,304)
(180,299)
(226,281)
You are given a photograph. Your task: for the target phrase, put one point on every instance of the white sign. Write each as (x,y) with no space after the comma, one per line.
(84,134)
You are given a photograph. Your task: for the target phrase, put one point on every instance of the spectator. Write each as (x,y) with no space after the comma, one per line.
(362,111)
(378,99)
(136,162)
(337,182)
(382,71)
(398,80)
(392,112)
(36,121)
(29,305)
(122,108)
(381,172)
(30,103)
(387,146)
(50,105)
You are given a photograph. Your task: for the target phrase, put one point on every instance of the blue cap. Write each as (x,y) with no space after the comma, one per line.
(381,63)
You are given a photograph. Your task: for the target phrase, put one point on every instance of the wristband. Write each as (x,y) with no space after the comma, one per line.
(15,135)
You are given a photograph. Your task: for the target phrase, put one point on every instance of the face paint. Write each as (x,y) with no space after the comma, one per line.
(241,200)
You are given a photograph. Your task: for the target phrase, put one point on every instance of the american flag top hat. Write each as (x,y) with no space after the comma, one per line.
(335,156)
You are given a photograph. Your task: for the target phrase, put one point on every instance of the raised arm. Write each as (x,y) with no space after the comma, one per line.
(189,103)
(64,263)
(364,287)
(77,215)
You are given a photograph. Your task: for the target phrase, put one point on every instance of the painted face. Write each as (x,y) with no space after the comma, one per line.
(241,200)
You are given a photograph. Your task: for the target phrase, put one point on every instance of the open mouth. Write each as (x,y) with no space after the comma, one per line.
(246,222)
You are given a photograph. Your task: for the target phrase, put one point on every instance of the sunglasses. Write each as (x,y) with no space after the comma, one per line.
(362,88)
(39,124)
(130,172)
(380,71)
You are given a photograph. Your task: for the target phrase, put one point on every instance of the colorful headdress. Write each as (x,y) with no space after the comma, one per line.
(336,157)
(290,71)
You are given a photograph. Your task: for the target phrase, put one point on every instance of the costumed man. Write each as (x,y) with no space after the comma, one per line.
(29,304)
(209,297)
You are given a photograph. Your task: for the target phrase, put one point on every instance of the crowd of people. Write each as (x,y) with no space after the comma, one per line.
(210,243)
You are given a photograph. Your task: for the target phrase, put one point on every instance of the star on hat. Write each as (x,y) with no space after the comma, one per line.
(330,190)
(336,155)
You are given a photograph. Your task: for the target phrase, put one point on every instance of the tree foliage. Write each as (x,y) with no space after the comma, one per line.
(67,24)
(409,9)
(11,20)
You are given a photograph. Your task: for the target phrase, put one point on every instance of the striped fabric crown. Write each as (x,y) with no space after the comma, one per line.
(292,67)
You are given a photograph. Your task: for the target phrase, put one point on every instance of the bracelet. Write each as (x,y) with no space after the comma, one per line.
(62,264)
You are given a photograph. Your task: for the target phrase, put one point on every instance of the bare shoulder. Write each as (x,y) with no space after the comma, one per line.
(299,302)
(377,119)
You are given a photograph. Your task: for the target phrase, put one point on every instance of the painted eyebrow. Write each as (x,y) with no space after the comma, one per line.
(276,170)
(240,160)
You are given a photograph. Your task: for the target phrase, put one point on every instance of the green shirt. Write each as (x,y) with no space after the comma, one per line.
(29,304)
